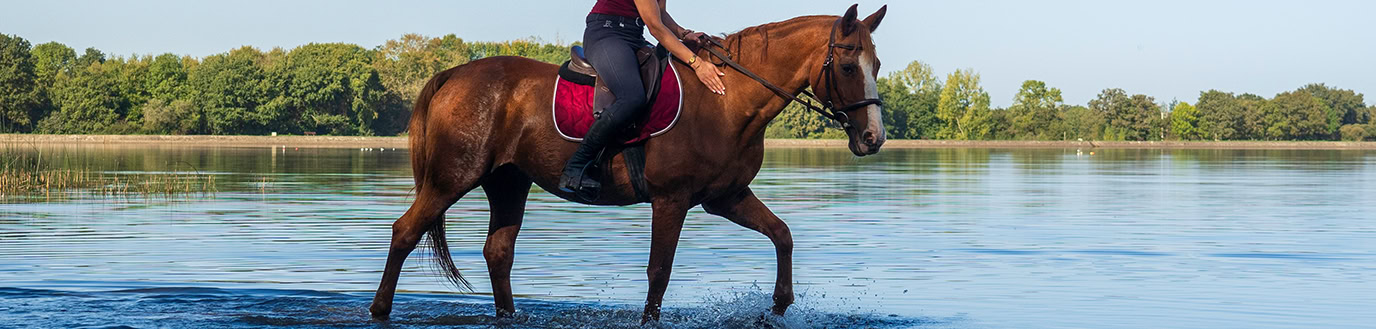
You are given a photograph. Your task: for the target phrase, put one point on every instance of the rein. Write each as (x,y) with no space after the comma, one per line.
(828,71)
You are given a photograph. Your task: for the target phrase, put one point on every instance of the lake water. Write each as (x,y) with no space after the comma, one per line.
(919,238)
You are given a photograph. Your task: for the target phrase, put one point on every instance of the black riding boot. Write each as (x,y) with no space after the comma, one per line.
(580,173)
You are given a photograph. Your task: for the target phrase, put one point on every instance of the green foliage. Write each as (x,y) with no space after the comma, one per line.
(237,92)
(910,100)
(89,101)
(90,56)
(177,117)
(1132,118)
(333,89)
(530,48)
(404,66)
(1222,116)
(345,89)
(1299,115)
(51,59)
(340,89)
(1184,120)
(1347,105)
(1081,123)
(1033,111)
(166,77)
(20,94)
(964,107)
(797,121)
(1355,132)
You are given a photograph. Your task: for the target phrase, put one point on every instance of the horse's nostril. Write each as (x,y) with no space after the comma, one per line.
(869,138)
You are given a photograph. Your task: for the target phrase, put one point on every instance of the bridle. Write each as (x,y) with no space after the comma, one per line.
(828,73)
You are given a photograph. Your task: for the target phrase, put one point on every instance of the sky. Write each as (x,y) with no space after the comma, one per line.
(1168,49)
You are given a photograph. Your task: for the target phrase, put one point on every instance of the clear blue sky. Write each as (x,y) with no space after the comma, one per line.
(1170,49)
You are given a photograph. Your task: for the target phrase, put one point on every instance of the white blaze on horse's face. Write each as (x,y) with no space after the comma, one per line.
(876,121)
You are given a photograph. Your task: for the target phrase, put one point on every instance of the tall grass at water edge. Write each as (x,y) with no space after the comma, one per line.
(26,174)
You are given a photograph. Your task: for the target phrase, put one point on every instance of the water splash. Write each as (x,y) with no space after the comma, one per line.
(223,308)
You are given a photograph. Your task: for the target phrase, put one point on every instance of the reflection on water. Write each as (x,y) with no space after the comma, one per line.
(933,237)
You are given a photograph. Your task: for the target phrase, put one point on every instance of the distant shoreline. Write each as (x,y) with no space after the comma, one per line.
(401,142)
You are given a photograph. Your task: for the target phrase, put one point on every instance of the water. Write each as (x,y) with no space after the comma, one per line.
(927,238)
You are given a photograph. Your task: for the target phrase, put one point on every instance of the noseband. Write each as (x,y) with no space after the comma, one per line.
(828,73)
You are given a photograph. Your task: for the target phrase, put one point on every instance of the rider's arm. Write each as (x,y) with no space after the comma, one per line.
(669,20)
(653,15)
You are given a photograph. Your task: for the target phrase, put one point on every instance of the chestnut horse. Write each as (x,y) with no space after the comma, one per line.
(487,123)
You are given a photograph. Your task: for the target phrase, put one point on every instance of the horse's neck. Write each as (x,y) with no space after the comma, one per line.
(783,55)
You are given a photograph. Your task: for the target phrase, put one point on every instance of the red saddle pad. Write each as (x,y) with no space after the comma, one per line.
(573,112)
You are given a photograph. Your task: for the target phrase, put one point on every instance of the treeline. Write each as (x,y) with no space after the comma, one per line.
(345,89)
(921,106)
(332,88)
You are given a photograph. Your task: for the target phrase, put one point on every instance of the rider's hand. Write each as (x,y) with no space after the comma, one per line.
(710,76)
(694,36)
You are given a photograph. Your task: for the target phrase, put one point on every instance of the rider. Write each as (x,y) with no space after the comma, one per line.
(615,31)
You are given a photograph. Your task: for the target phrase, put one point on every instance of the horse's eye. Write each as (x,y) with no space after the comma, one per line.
(849,69)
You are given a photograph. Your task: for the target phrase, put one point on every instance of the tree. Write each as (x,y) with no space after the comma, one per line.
(90,56)
(1184,120)
(530,48)
(166,77)
(175,117)
(910,98)
(20,95)
(1252,124)
(1299,115)
(51,59)
(964,107)
(1079,122)
(1347,105)
(87,102)
(1354,133)
(232,89)
(1221,116)
(1033,111)
(797,121)
(404,66)
(999,125)
(334,88)
(1129,117)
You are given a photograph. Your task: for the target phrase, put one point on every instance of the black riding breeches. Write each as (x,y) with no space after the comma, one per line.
(610,43)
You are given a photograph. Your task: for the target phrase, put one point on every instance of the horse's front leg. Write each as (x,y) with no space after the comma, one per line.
(665,229)
(745,209)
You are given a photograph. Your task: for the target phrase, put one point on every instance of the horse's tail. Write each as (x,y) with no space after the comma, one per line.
(421,166)
(420,113)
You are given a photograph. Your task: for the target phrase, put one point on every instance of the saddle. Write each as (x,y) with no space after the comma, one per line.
(580,97)
(653,61)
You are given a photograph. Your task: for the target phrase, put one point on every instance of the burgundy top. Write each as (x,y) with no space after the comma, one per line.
(625,8)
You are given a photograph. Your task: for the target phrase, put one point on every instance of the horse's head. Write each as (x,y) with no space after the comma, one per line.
(847,79)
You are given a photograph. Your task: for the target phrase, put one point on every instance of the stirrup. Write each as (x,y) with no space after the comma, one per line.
(584,185)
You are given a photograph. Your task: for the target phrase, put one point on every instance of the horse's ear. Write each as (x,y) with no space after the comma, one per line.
(874,19)
(849,21)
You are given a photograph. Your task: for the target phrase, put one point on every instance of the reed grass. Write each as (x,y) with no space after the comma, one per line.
(27,174)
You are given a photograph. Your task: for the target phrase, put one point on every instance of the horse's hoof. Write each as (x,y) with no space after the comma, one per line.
(779,309)
(380,313)
(505,314)
(651,314)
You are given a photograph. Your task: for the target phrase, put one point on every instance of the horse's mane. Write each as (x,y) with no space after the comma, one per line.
(734,42)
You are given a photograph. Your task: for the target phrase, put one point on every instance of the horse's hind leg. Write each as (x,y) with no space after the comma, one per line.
(425,214)
(506,190)
(747,210)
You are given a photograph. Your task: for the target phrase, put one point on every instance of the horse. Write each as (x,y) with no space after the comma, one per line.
(487,123)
